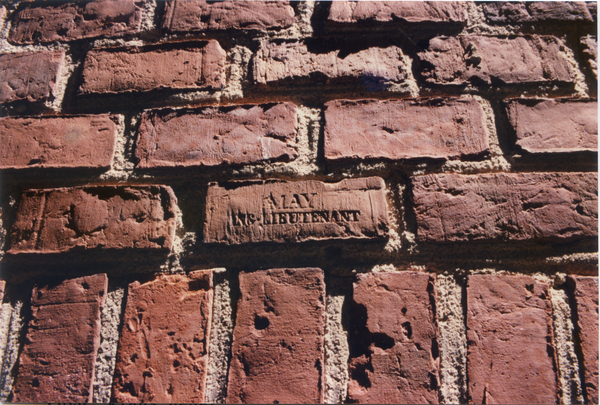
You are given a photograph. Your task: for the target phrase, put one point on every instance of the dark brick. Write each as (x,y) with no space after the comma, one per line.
(589,50)
(127,70)
(296,211)
(213,136)
(110,217)
(515,206)
(59,352)
(509,341)
(527,59)
(387,11)
(65,142)
(30,76)
(536,11)
(402,129)
(163,347)
(277,352)
(396,361)
(201,15)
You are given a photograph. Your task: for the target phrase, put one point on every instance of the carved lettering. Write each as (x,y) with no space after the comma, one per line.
(294,217)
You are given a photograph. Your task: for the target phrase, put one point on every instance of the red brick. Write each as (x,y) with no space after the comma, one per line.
(110,217)
(277,351)
(135,69)
(65,142)
(589,50)
(296,211)
(201,15)
(397,361)
(536,11)
(403,129)
(387,11)
(69,22)
(527,59)
(506,206)
(509,335)
(30,76)
(59,353)
(585,291)
(163,347)
(213,136)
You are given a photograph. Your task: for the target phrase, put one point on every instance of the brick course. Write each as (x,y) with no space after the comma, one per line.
(387,11)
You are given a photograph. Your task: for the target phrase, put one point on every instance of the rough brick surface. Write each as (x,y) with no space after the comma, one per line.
(66,142)
(401,129)
(163,347)
(397,359)
(589,49)
(214,136)
(57,363)
(385,11)
(111,217)
(555,125)
(518,206)
(509,341)
(528,59)
(126,70)
(186,16)
(585,291)
(277,352)
(536,11)
(2,287)
(29,76)
(68,22)
(296,211)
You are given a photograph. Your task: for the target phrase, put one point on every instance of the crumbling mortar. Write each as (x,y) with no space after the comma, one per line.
(336,351)
(302,27)
(11,349)
(122,166)
(238,60)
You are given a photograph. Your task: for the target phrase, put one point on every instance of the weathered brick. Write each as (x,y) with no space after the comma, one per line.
(201,15)
(296,211)
(506,206)
(526,59)
(66,142)
(589,49)
(163,347)
(402,129)
(57,362)
(536,11)
(387,11)
(2,287)
(377,68)
(396,361)
(509,341)
(213,136)
(30,76)
(134,69)
(277,351)
(585,291)
(110,217)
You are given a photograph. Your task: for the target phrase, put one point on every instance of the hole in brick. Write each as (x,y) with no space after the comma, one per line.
(383,341)
(170,390)
(433,382)
(529,287)
(44,362)
(176,363)
(171,333)
(435,351)
(133,357)
(261,322)
(35,382)
(403,311)
(407,329)
(85,285)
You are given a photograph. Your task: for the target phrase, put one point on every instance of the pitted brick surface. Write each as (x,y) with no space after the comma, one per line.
(536,11)
(385,11)
(589,49)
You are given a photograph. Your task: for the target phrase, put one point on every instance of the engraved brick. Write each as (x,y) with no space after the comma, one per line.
(59,352)
(163,347)
(277,351)
(402,129)
(213,136)
(394,358)
(470,58)
(134,69)
(201,15)
(392,11)
(589,50)
(509,341)
(555,125)
(30,76)
(109,217)
(506,206)
(296,211)
(536,11)
(66,142)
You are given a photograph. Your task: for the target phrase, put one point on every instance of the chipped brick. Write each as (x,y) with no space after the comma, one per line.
(387,11)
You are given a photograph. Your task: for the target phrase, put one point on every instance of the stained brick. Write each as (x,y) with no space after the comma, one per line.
(589,49)
(214,136)
(66,142)
(509,341)
(470,58)
(57,363)
(536,11)
(201,15)
(296,211)
(163,347)
(585,291)
(505,206)
(110,217)
(277,351)
(395,357)
(30,76)
(401,129)
(134,69)
(387,11)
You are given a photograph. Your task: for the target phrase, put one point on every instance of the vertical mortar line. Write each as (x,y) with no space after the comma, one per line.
(122,164)
(336,353)
(11,351)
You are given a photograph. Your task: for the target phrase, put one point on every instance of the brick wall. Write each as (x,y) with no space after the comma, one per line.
(323,202)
